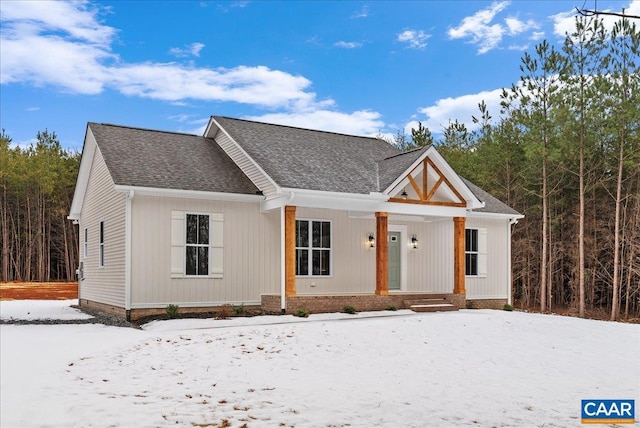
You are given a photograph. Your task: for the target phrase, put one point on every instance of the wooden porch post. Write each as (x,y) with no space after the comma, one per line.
(290,250)
(458,255)
(382,254)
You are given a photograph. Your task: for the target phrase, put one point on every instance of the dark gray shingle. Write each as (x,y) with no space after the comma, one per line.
(308,159)
(147,158)
(392,167)
(491,203)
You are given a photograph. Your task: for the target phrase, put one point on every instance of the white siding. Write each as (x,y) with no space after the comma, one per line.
(251,254)
(353,262)
(244,163)
(495,285)
(437,260)
(102,203)
(429,267)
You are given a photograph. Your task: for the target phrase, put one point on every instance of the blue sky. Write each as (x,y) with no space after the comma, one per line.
(355,67)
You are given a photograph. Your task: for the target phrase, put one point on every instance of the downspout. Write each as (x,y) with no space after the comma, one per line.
(283,297)
(127,255)
(509,273)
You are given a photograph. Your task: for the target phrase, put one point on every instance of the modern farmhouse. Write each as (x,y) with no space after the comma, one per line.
(282,218)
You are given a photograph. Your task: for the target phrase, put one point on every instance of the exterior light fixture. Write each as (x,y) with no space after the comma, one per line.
(404,194)
(371,241)
(414,242)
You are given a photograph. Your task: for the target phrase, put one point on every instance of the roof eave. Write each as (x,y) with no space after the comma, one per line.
(189,194)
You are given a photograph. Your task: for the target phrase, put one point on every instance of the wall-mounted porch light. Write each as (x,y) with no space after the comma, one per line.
(404,194)
(414,242)
(371,240)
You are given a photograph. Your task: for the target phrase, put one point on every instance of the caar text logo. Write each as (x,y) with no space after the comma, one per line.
(608,411)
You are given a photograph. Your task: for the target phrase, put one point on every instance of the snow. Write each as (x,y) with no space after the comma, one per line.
(41,309)
(467,368)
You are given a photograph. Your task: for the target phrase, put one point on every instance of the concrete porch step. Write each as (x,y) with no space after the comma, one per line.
(431,305)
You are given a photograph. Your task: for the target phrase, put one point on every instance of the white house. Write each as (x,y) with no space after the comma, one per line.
(283,218)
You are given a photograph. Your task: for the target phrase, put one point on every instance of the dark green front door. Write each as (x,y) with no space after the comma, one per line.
(394,260)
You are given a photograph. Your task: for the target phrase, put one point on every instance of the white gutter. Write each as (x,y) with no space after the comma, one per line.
(189,194)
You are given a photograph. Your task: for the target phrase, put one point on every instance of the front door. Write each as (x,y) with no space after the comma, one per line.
(394,260)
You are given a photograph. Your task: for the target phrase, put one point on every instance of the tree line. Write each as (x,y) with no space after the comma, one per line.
(565,152)
(39,243)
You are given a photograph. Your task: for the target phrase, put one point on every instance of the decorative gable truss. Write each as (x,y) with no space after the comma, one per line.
(427,184)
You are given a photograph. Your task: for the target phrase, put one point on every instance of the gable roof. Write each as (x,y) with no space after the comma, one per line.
(307,159)
(390,168)
(157,159)
(491,203)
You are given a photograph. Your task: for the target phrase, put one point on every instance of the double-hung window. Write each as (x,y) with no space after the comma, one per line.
(475,252)
(101,245)
(197,245)
(313,248)
(197,241)
(471,252)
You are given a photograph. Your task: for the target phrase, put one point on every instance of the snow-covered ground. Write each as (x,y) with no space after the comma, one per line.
(467,368)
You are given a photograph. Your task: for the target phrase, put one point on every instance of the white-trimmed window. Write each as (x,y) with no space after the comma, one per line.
(196,244)
(475,254)
(313,248)
(101,245)
(86,243)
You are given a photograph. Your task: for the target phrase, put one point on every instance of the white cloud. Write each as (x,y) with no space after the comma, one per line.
(32,109)
(416,39)
(362,13)
(189,50)
(536,35)
(437,116)
(77,58)
(479,29)
(516,26)
(65,46)
(347,45)
(363,122)
(564,22)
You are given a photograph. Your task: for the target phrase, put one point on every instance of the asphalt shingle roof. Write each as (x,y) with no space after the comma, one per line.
(308,159)
(147,158)
(491,203)
(292,157)
(389,169)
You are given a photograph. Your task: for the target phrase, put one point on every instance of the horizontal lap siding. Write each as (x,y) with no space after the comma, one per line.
(251,254)
(245,164)
(495,284)
(102,203)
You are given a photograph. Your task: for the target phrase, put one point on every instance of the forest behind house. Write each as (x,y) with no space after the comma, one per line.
(564,151)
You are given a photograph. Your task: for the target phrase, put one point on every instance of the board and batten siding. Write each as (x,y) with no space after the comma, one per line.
(251,262)
(494,285)
(102,203)
(353,268)
(245,164)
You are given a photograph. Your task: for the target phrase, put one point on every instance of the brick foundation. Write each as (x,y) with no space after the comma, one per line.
(110,309)
(364,302)
(486,304)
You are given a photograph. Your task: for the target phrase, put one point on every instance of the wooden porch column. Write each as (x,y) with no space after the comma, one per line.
(290,250)
(382,254)
(458,255)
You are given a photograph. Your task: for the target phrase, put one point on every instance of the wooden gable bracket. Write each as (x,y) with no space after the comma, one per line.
(425,195)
